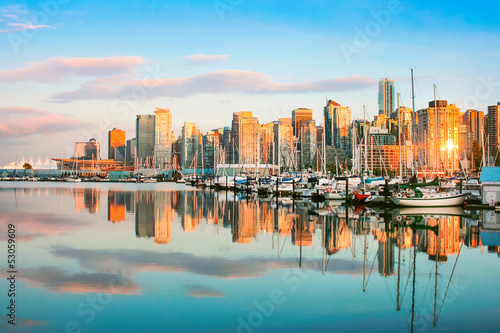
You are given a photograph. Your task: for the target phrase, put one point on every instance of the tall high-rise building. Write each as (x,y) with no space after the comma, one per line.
(493,131)
(341,125)
(177,152)
(210,156)
(79,149)
(190,145)
(163,138)
(438,136)
(300,116)
(240,119)
(405,120)
(328,114)
(266,143)
(145,136)
(249,140)
(227,145)
(131,149)
(473,122)
(116,139)
(90,150)
(337,123)
(308,144)
(283,143)
(320,131)
(386,95)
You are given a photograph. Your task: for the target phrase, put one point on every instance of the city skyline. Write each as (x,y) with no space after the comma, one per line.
(70,70)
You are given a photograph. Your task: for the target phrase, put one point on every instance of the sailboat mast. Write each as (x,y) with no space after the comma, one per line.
(399,141)
(436,140)
(414,125)
(365,137)
(324,147)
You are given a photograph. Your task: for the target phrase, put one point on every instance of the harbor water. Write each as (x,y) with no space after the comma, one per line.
(165,257)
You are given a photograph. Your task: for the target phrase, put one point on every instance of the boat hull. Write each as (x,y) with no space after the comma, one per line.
(455,200)
(441,211)
(335,195)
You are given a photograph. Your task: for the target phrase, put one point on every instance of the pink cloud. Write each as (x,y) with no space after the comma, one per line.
(27,26)
(225,81)
(55,69)
(205,58)
(58,280)
(17,20)
(22,121)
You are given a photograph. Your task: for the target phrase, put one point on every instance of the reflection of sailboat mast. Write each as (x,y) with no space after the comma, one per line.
(354,241)
(398,304)
(300,226)
(414,275)
(364,256)
(324,243)
(434,322)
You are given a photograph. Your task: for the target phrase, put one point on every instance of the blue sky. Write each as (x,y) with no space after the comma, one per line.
(69,69)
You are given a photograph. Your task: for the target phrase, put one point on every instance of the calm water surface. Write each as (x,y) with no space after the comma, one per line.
(170,258)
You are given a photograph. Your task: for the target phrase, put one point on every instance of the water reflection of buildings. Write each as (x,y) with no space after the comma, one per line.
(338,235)
(447,241)
(154,215)
(440,236)
(120,202)
(164,214)
(386,256)
(304,226)
(87,199)
(191,211)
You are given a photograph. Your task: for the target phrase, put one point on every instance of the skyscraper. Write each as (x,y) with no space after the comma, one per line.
(474,130)
(116,139)
(90,150)
(266,143)
(337,123)
(437,136)
(227,145)
(249,140)
(190,145)
(405,120)
(493,131)
(131,149)
(300,116)
(238,119)
(328,112)
(145,136)
(210,150)
(341,125)
(386,94)
(308,143)
(283,143)
(163,138)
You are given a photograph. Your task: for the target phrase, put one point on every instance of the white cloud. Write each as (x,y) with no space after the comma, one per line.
(205,58)
(218,82)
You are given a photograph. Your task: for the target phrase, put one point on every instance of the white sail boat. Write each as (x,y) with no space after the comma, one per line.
(417,198)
